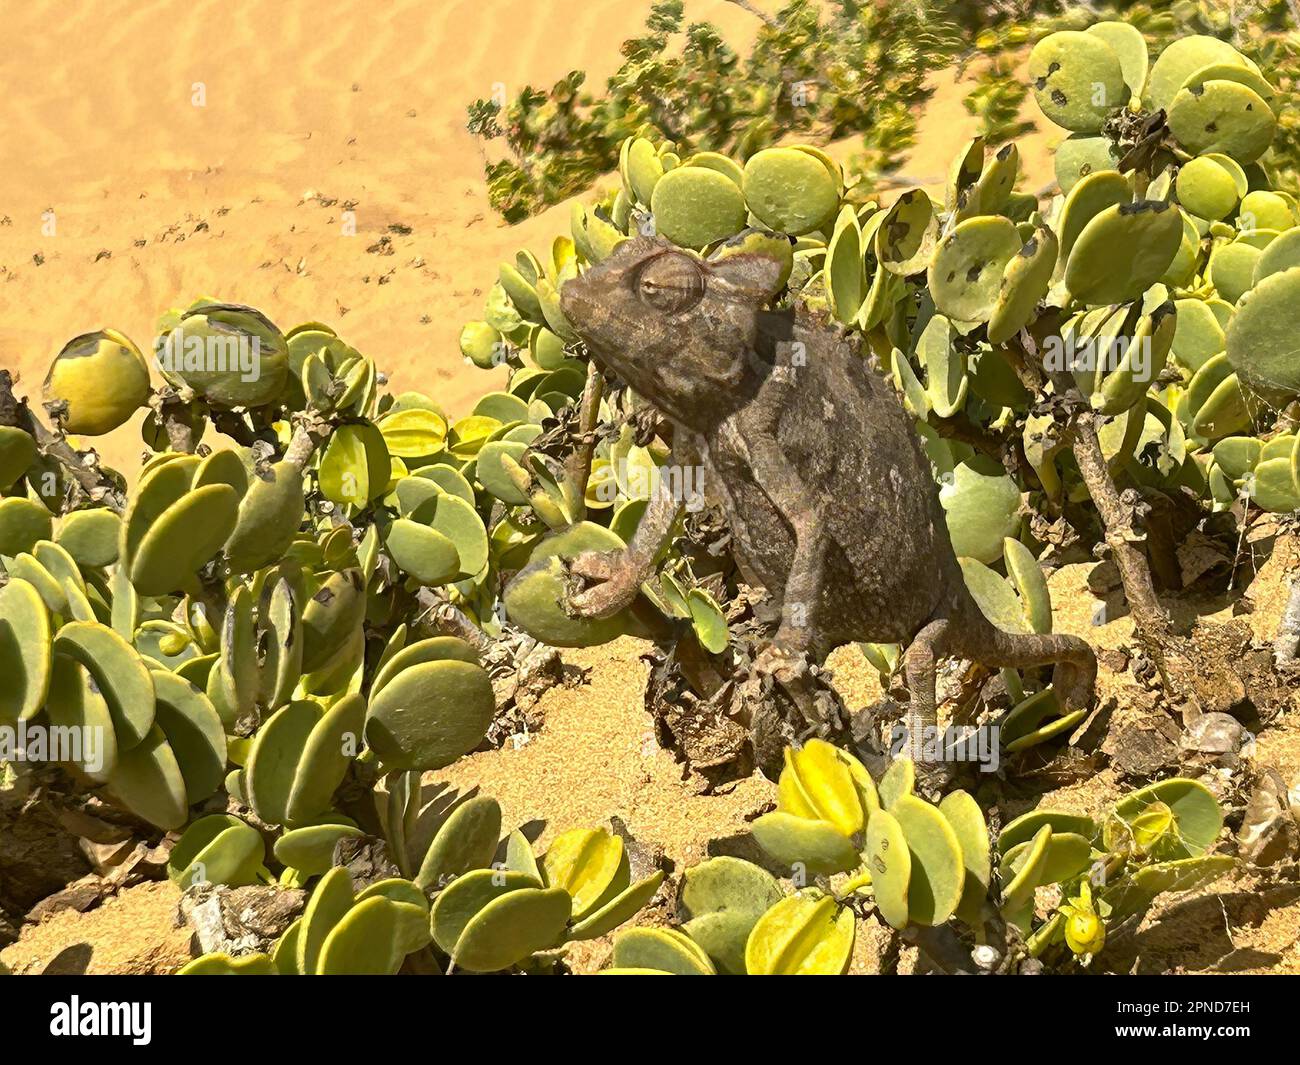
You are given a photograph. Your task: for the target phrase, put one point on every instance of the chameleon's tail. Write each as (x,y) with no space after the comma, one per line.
(969,634)
(1075,673)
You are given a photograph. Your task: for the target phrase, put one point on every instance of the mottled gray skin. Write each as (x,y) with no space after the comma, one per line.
(819,470)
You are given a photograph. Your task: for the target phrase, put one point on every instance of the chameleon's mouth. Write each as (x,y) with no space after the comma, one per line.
(575,302)
(581,307)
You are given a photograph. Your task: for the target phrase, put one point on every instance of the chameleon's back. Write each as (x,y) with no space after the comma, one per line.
(889,566)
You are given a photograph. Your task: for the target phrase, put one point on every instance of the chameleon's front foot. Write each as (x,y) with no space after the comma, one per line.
(613,579)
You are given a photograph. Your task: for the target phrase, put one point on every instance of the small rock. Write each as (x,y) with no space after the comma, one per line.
(105,856)
(1143,750)
(241,920)
(81,896)
(986,957)
(1215,737)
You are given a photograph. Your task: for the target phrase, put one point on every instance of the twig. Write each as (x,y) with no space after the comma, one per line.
(82,466)
(1151,624)
(1006,449)
(745,5)
(176,416)
(577,468)
(451,621)
(1122,534)
(310,430)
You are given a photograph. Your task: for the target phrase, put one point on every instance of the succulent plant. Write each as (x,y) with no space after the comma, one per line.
(430,713)
(218,849)
(488,919)
(924,865)
(217,618)
(1153,840)
(229,354)
(831,818)
(342,932)
(805,934)
(534,598)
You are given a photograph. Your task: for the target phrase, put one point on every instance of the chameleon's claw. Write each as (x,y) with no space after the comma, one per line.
(613,584)
(596,565)
(793,672)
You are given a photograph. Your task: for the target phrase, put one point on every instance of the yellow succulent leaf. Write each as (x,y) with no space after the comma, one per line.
(813,844)
(413,433)
(805,935)
(824,773)
(584,862)
(790,796)
(469,434)
(1151,825)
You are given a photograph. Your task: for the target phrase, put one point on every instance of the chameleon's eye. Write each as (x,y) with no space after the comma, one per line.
(671,283)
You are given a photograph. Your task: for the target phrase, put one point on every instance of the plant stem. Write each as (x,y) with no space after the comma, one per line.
(745,5)
(577,468)
(1122,534)
(310,430)
(82,466)
(176,418)
(1006,449)
(449,620)
(1120,526)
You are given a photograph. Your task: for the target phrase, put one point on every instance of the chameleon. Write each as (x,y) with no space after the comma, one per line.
(815,462)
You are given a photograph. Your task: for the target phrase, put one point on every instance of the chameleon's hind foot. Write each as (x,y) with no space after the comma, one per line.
(934,779)
(787,703)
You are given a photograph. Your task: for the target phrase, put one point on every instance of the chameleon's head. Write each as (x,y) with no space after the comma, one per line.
(680,330)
